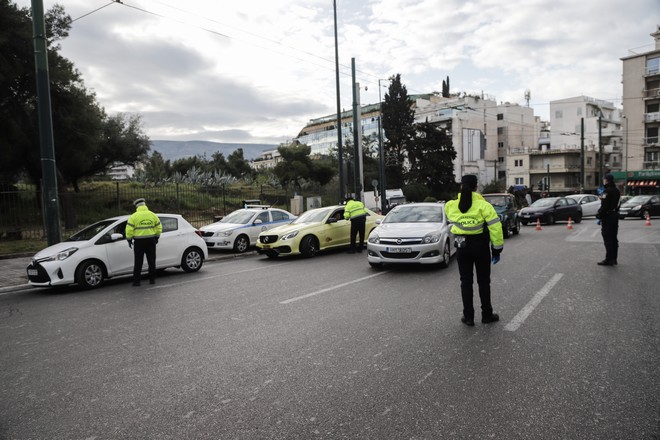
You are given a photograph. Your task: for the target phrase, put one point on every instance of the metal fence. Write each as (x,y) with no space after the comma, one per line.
(21,205)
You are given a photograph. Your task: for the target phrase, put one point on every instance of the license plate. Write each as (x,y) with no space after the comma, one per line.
(33,272)
(399,250)
(266,246)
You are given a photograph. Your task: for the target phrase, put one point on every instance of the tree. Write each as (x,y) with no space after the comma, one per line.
(87,141)
(237,166)
(297,167)
(431,155)
(398,119)
(156,168)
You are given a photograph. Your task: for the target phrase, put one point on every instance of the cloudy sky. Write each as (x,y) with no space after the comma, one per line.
(256,71)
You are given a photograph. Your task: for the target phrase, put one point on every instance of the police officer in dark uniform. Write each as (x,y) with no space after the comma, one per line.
(608,214)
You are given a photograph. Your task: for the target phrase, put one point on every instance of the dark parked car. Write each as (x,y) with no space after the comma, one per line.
(552,209)
(507,208)
(640,206)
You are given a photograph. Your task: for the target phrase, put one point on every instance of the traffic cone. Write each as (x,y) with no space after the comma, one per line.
(538,224)
(570,223)
(648,220)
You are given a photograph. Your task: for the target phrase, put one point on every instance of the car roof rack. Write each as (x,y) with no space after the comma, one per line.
(258,206)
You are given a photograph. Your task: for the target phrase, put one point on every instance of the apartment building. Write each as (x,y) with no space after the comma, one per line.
(641,110)
(266,160)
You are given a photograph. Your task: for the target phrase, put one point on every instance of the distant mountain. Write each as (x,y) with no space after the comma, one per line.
(173,150)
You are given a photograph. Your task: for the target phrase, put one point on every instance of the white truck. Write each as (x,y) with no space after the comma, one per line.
(393,197)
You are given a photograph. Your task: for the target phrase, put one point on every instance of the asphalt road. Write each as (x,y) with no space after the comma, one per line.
(329,348)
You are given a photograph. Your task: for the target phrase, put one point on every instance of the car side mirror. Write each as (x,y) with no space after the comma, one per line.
(332,220)
(116,237)
(379,221)
(258,221)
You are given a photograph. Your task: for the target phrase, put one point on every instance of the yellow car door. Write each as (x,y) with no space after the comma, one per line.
(337,231)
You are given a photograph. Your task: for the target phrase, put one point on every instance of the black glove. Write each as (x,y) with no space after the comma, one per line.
(496,252)
(130,243)
(156,240)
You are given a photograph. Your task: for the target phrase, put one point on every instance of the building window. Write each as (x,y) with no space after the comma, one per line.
(500,145)
(500,130)
(500,159)
(500,116)
(520,180)
(559,114)
(579,111)
(588,161)
(519,162)
(652,65)
(652,135)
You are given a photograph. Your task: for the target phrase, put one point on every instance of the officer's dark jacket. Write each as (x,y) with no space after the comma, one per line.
(609,200)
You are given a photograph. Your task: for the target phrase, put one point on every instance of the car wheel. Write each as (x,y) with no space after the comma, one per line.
(376,265)
(645,213)
(506,229)
(550,219)
(516,230)
(192,260)
(524,222)
(241,244)
(272,255)
(309,246)
(578,218)
(90,274)
(446,255)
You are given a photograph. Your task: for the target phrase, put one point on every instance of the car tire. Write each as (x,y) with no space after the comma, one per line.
(192,260)
(376,266)
(241,244)
(578,218)
(90,274)
(309,246)
(272,255)
(506,229)
(516,230)
(446,255)
(524,222)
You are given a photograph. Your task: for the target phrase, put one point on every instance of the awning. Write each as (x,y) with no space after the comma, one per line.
(633,183)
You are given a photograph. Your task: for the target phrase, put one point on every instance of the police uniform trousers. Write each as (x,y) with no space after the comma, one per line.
(358,225)
(475,254)
(609,228)
(142,247)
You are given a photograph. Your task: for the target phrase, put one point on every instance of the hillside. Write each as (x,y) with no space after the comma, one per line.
(173,150)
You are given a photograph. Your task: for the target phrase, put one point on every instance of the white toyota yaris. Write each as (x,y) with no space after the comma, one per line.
(100,251)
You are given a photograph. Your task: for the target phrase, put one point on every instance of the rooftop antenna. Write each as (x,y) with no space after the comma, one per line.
(528,95)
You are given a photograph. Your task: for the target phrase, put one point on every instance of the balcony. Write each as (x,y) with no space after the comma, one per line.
(651,141)
(652,117)
(651,165)
(652,93)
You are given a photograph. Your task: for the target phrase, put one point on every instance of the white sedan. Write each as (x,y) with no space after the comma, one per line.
(101,251)
(413,233)
(590,203)
(240,229)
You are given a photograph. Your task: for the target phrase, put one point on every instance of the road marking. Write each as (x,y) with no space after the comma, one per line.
(327,289)
(531,305)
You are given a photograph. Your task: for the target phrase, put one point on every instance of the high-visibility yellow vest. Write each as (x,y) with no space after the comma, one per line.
(481,215)
(354,209)
(143,224)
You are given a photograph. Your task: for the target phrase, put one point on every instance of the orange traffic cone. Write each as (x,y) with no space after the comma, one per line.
(538,224)
(648,220)
(570,223)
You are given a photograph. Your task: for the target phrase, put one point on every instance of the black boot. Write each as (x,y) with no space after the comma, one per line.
(468,322)
(493,317)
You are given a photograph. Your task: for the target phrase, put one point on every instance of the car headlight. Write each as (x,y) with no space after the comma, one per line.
(637,208)
(373,238)
(63,255)
(431,238)
(224,233)
(290,235)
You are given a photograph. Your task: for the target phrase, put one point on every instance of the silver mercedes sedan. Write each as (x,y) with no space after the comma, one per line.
(413,233)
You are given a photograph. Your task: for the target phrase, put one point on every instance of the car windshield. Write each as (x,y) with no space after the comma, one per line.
(90,231)
(240,217)
(639,199)
(414,214)
(496,200)
(541,203)
(313,216)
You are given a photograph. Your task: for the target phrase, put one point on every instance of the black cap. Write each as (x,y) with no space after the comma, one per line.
(609,178)
(469,179)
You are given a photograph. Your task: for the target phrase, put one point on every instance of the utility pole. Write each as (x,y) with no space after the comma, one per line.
(600,148)
(625,188)
(356,135)
(381,154)
(340,152)
(48,168)
(581,155)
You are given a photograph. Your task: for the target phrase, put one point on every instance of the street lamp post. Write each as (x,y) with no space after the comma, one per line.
(625,188)
(340,153)
(381,154)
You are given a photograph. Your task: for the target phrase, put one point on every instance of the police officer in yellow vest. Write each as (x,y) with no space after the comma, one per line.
(357,214)
(142,232)
(478,232)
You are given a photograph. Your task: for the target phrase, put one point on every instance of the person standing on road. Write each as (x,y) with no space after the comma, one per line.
(142,232)
(478,232)
(357,214)
(528,198)
(608,216)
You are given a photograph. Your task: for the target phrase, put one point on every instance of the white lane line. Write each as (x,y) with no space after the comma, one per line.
(195,280)
(327,289)
(531,305)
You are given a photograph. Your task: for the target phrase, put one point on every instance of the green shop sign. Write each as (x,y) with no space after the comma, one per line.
(645,174)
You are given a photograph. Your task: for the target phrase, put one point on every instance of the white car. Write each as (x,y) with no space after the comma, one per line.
(590,203)
(101,251)
(412,233)
(240,229)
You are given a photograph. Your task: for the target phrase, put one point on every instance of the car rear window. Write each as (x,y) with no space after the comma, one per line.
(169,224)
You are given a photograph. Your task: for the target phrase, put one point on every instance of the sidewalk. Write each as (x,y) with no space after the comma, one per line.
(13,275)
